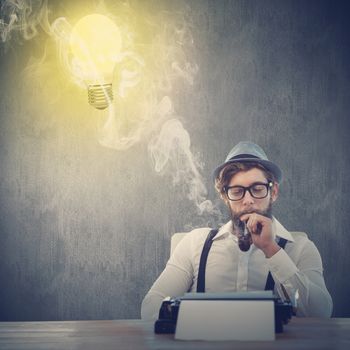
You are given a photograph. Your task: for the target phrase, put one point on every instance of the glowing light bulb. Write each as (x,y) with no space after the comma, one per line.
(95,42)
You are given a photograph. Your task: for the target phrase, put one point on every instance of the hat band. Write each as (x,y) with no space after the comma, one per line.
(244,156)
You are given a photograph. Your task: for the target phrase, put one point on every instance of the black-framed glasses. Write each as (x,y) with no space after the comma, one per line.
(257,190)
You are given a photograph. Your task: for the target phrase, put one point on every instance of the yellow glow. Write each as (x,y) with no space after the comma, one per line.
(95,42)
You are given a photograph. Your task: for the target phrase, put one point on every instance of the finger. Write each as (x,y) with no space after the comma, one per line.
(251,224)
(255,224)
(245,217)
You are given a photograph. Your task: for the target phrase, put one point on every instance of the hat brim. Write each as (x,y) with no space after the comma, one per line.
(272,167)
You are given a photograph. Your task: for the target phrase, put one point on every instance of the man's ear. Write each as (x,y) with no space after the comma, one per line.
(274,191)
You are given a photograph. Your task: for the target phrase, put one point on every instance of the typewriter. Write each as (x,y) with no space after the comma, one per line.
(169,310)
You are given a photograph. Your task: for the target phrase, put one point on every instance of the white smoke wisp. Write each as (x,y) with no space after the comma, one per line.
(61,31)
(171,150)
(23,17)
(113,135)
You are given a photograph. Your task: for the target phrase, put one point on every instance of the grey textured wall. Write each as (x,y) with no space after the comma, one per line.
(85,229)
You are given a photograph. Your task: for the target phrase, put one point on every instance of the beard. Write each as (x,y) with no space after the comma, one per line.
(235,216)
(244,237)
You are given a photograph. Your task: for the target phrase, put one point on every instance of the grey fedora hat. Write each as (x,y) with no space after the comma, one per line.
(247,151)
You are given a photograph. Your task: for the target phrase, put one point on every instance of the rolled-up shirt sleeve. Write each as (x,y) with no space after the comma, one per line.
(175,280)
(302,281)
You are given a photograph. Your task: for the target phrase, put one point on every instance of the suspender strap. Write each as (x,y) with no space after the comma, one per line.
(203,261)
(270,283)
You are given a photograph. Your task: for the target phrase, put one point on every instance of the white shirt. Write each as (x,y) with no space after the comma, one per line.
(298,268)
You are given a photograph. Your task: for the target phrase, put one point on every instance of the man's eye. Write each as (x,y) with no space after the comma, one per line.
(236,191)
(258,188)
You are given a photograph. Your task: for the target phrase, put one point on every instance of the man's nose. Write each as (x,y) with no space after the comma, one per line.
(248,198)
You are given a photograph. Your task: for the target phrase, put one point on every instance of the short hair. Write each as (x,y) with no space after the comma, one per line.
(231,169)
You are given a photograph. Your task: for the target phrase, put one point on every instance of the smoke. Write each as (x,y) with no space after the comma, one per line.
(150,77)
(157,61)
(172,148)
(23,18)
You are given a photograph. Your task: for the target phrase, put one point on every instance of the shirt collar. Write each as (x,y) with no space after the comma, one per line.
(280,231)
(277,229)
(224,230)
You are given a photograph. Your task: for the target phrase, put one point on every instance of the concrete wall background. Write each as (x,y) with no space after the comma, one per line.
(85,230)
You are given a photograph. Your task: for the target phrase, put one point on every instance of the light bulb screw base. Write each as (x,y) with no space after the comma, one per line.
(100,96)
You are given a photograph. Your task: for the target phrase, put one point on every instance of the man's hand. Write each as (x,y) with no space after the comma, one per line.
(260,228)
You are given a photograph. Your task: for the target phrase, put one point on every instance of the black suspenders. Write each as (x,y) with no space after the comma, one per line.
(270,283)
(203,261)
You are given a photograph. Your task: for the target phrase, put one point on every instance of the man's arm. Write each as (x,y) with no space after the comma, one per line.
(303,280)
(175,280)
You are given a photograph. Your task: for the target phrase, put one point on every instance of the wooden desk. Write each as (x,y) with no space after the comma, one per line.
(135,334)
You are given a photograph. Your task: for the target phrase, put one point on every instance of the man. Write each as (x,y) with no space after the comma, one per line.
(248,247)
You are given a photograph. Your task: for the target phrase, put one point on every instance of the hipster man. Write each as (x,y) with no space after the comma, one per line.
(251,252)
